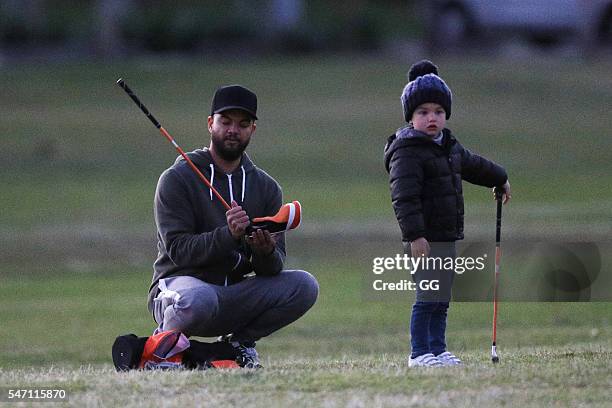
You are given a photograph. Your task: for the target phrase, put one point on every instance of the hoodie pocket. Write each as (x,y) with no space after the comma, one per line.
(241,267)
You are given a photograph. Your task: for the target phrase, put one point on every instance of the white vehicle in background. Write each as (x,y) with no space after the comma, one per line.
(456,23)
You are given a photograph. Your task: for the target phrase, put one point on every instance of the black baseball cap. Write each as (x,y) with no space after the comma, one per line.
(234,97)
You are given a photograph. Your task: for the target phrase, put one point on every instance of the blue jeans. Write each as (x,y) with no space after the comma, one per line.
(428,328)
(429,312)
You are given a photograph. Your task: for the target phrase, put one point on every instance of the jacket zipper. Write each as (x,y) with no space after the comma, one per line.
(452,174)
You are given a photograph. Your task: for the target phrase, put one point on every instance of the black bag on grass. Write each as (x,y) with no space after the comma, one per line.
(168,350)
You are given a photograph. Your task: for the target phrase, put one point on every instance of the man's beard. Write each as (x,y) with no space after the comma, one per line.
(229,153)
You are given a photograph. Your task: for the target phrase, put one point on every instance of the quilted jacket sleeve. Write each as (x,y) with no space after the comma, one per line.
(406,183)
(476,169)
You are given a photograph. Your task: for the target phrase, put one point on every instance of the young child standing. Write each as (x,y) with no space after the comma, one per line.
(426,166)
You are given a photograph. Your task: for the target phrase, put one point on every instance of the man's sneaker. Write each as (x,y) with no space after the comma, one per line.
(247,356)
(449,359)
(425,360)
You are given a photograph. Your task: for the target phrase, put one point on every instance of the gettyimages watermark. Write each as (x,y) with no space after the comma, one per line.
(409,264)
(405,262)
(530,271)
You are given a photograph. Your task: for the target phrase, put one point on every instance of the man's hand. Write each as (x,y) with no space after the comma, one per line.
(262,242)
(507,195)
(237,220)
(419,247)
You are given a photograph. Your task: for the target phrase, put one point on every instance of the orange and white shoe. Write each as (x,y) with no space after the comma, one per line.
(287,218)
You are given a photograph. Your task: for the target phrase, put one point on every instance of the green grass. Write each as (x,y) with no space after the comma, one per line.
(563,377)
(345,349)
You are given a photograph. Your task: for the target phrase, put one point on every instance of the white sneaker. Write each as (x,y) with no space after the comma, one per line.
(424,360)
(449,359)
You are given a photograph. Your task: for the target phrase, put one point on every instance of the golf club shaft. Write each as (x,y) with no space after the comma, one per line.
(167,135)
(498,197)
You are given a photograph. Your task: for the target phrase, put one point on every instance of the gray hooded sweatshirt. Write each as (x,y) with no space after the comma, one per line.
(192,232)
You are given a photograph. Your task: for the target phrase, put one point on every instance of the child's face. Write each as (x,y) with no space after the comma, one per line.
(429,118)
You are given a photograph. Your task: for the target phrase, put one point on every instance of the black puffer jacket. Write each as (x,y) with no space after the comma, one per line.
(425,180)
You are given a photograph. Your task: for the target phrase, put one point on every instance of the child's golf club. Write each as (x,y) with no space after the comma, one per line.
(498,197)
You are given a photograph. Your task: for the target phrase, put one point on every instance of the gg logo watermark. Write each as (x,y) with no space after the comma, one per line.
(405,284)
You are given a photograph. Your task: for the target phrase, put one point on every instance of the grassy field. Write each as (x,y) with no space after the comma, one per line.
(345,352)
(78,168)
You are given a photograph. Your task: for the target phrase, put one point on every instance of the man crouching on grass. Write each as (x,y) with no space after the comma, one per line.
(199,283)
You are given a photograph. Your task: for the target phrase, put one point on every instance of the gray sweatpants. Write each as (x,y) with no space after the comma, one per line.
(251,309)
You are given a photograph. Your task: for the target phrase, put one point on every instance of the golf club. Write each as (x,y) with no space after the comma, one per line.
(288,217)
(167,135)
(498,197)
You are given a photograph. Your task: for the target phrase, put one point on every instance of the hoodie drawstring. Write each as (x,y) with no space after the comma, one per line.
(231,190)
(229,179)
(212,179)
(243,183)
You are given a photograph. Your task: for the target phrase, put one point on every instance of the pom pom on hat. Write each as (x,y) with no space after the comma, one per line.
(423,67)
(425,86)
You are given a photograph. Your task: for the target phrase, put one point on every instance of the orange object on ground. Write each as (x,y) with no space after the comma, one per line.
(225,364)
(163,351)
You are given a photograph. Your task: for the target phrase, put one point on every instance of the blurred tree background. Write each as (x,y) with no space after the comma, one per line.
(121,27)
